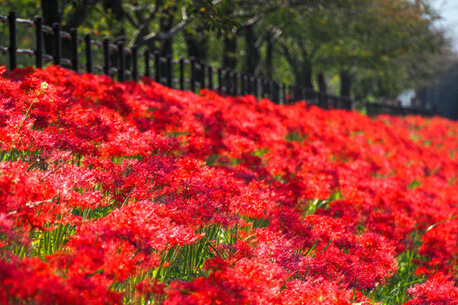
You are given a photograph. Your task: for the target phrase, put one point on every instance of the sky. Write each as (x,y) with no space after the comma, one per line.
(448,9)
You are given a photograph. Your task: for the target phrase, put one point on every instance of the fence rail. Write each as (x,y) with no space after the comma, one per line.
(185,74)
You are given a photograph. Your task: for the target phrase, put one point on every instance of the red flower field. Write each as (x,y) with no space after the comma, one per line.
(133,193)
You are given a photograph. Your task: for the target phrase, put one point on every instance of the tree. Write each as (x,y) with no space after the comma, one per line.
(385,41)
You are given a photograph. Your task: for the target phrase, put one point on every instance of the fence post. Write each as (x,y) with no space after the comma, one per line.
(147,68)
(106,56)
(39,42)
(229,87)
(135,63)
(253,81)
(321,102)
(169,61)
(271,90)
(87,40)
(13,42)
(279,93)
(292,95)
(249,84)
(349,104)
(193,74)
(122,62)
(263,87)
(282,93)
(236,83)
(57,44)
(157,68)
(210,77)
(203,69)
(258,87)
(147,63)
(220,80)
(75,63)
(181,66)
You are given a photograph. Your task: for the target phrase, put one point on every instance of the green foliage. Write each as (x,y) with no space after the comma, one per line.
(187,262)
(295,136)
(395,290)
(313,205)
(375,44)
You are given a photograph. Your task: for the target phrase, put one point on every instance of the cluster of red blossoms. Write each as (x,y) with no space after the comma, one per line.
(134,193)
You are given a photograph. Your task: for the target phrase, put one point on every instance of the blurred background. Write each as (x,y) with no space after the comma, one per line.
(394,51)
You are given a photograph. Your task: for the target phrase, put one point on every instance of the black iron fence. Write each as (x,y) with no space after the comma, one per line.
(123,63)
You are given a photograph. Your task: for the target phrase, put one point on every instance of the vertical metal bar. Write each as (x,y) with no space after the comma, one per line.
(210,77)
(285,94)
(13,41)
(75,63)
(266,89)
(276,93)
(87,40)
(135,63)
(291,94)
(39,42)
(169,71)
(322,100)
(258,86)
(236,83)
(57,44)
(193,74)
(181,66)
(225,81)
(106,56)
(252,85)
(270,89)
(229,86)
(203,67)
(122,62)
(147,67)
(157,63)
(229,80)
(220,80)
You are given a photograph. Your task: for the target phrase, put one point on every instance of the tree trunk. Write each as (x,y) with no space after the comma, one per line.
(322,82)
(117,24)
(345,83)
(79,12)
(52,13)
(269,56)
(197,44)
(252,53)
(165,25)
(50,10)
(230,52)
(303,74)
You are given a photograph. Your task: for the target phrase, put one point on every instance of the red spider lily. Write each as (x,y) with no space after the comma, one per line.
(107,189)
